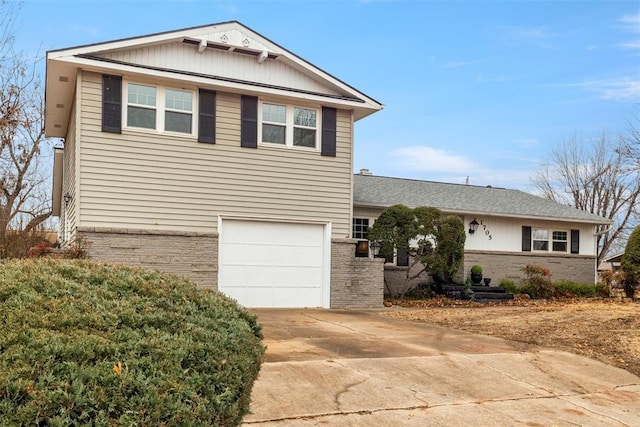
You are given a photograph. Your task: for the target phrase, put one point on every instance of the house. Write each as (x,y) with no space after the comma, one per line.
(612,263)
(506,229)
(214,153)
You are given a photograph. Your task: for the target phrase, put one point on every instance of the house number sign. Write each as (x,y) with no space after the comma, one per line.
(486,230)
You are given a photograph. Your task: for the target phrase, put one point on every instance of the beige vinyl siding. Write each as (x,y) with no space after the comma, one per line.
(148,180)
(226,64)
(68,216)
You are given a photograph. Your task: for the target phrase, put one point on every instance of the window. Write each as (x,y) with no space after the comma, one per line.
(177,114)
(159,108)
(540,240)
(557,243)
(141,108)
(360,228)
(289,125)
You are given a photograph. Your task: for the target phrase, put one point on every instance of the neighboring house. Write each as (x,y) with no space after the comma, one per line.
(612,263)
(214,153)
(514,228)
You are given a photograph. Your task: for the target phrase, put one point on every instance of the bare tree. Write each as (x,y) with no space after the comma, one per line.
(24,198)
(597,177)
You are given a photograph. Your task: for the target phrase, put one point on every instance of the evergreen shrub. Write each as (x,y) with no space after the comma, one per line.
(83,343)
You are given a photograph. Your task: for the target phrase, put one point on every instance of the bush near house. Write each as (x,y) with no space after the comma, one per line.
(630,263)
(83,343)
(568,288)
(562,288)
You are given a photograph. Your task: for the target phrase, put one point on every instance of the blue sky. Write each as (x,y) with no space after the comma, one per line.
(471,88)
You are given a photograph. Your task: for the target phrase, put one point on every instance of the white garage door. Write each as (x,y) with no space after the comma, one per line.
(272,264)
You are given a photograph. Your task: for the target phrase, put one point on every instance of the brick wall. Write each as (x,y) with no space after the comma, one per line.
(355,282)
(192,255)
(500,265)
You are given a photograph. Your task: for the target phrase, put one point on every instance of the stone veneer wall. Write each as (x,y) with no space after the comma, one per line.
(192,255)
(501,265)
(355,282)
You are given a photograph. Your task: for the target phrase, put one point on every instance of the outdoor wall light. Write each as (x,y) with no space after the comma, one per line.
(67,198)
(375,248)
(473,226)
(362,249)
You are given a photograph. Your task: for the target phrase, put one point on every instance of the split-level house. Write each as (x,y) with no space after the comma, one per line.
(213,153)
(506,229)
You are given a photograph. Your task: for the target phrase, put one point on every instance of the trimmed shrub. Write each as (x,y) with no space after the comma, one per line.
(568,288)
(476,269)
(510,286)
(83,343)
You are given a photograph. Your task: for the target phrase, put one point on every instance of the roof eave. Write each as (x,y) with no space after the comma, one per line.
(503,215)
(56,121)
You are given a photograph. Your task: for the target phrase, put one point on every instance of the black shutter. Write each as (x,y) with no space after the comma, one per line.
(328,132)
(526,239)
(111,103)
(402,257)
(575,241)
(207,116)
(249,119)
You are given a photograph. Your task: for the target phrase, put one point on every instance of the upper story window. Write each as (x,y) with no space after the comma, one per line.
(557,243)
(178,109)
(141,106)
(159,108)
(289,125)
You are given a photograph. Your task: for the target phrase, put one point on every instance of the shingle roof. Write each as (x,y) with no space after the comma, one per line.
(382,191)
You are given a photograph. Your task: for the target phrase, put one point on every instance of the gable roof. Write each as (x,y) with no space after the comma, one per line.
(204,46)
(379,191)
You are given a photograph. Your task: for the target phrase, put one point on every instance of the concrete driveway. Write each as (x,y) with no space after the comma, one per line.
(358,368)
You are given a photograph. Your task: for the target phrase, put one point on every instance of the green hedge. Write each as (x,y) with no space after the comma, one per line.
(575,289)
(85,343)
(562,288)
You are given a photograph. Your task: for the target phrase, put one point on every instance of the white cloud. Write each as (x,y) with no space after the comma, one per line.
(433,164)
(539,33)
(528,142)
(621,89)
(458,64)
(631,19)
(422,158)
(540,36)
(631,45)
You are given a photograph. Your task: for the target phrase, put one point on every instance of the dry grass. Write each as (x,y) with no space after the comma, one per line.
(604,329)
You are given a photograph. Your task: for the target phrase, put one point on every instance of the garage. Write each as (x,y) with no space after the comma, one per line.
(274,264)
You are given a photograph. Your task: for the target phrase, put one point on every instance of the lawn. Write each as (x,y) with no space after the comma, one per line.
(604,329)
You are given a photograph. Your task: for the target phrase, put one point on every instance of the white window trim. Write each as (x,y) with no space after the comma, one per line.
(160,109)
(289,126)
(550,241)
